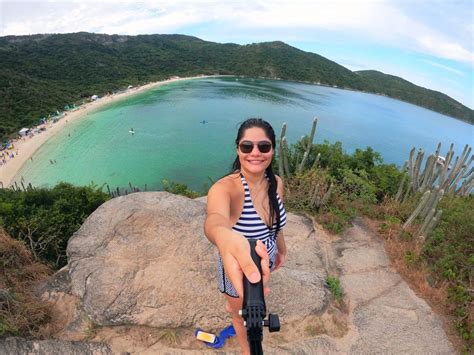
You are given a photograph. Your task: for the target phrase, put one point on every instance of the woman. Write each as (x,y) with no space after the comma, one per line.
(247,204)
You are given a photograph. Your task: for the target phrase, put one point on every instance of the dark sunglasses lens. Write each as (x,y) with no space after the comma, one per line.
(246,147)
(264,147)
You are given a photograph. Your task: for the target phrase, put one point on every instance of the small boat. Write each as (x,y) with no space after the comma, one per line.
(132,131)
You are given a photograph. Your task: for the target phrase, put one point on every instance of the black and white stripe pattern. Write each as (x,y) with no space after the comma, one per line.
(250,225)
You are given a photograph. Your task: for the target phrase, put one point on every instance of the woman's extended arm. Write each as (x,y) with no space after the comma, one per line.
(233,247)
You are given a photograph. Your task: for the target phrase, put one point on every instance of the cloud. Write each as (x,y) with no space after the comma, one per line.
(421,26)
(445,67)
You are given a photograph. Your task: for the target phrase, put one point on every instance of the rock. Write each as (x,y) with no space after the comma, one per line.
(142,265)
(14,346)
(399,322)
(143,259)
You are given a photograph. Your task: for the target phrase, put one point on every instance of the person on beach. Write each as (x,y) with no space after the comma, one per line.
(247,203)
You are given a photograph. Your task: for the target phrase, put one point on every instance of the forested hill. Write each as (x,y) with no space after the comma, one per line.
(401,89)
(40,74)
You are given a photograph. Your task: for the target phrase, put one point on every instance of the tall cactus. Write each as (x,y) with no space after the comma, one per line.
(432,202)
(417,210)
(284,152)
(308,147)
(281,167)
(446,176)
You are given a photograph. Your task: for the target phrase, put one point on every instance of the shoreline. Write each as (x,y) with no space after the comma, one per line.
(26,147)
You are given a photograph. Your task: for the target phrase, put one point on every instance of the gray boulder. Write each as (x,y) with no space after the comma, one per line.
(143,259)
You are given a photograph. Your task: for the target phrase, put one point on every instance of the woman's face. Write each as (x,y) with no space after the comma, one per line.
(255,161)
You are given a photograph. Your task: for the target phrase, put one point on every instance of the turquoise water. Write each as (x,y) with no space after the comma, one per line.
(170,142)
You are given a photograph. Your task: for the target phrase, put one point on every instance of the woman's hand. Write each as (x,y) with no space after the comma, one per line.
(235,254)
(280,260)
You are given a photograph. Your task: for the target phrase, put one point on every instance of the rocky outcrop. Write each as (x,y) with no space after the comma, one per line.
(143,259)
(141,277)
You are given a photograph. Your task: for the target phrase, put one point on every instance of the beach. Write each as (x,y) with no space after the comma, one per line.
(24,148)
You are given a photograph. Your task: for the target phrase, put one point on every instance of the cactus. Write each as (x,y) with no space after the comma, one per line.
(316,161)
(281,171)
(425,223)
(308,147)
(281,152)
(432,202)
(460,162)
(416,173)
(400,188)
(286,153)
(447,161)
(411,162)
(417,210)
(427,172)
(447,178)
(432,224)
(466,186)
(314,200)
(327,195)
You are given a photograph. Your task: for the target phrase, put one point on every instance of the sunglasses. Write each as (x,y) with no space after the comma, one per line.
(247,146)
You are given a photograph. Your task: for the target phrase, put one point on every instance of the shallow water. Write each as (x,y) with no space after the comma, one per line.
(170,142)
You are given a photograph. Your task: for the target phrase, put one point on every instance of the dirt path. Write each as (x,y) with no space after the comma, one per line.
(384,314)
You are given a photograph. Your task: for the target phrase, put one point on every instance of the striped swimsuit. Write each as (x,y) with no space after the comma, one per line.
(250,225)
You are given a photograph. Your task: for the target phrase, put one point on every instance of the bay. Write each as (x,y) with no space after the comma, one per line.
(171,141)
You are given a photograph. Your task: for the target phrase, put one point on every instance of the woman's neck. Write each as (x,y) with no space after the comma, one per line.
(254,179)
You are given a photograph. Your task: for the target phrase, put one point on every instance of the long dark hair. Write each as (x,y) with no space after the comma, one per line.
(272,183)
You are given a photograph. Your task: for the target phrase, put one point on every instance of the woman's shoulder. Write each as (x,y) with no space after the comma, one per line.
(226,183)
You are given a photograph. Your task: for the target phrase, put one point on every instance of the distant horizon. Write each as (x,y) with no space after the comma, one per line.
(429,43)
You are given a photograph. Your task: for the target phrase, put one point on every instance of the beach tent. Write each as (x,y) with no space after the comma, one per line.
(94,97)
(24,131)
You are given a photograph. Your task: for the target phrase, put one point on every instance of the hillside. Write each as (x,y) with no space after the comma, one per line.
(42,73)
(404,90)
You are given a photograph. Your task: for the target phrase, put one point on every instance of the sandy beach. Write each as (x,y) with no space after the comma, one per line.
(25,148)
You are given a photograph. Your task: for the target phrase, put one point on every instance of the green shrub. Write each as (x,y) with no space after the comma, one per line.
(45,219)
(334,286)
(355,185)
(450,253)
(179,189)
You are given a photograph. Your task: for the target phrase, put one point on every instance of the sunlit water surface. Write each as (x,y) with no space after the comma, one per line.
(171,142)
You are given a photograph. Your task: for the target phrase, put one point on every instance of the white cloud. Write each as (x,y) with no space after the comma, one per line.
(390,23)
(445,67)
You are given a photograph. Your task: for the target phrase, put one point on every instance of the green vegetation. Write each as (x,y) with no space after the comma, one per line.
(40,74)
(179,189)
(334,286)
(450,253)
(401,89)
(340,185)
(45,219)
(335,187)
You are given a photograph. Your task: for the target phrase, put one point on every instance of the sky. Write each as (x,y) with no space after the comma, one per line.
(427,42)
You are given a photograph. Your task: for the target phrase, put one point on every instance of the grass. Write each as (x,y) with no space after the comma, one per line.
(21,312)
(334,286)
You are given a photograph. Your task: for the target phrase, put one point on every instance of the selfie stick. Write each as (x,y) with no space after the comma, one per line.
(254,310)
